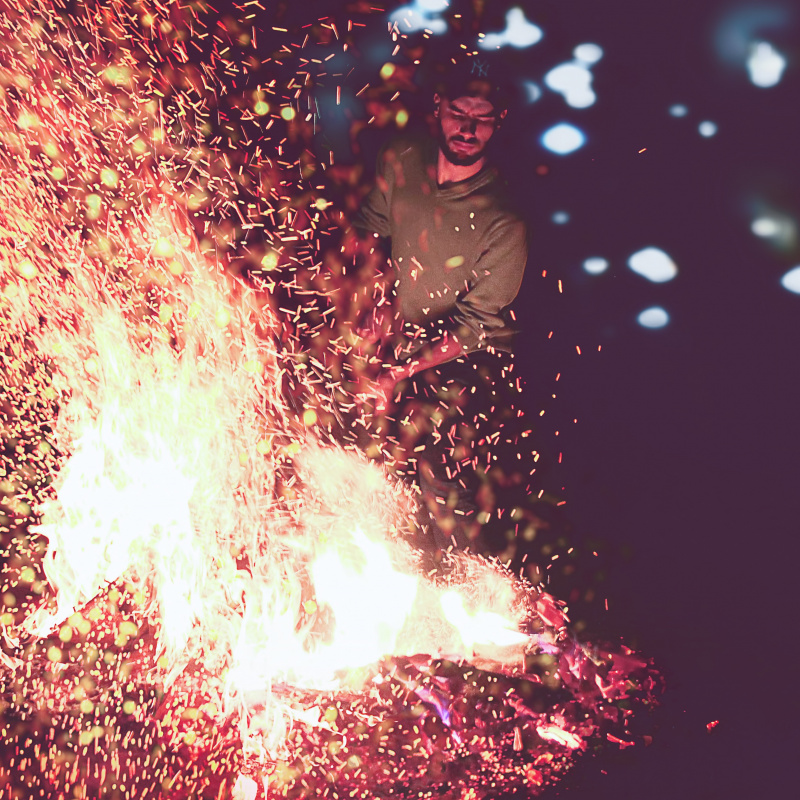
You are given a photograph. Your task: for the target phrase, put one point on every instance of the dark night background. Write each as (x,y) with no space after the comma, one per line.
(685,455)
(683,463)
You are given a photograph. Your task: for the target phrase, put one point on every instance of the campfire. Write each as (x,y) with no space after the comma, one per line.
(227,603)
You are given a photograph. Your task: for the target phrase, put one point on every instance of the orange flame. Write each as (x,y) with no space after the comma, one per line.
(167,486)
(254,548)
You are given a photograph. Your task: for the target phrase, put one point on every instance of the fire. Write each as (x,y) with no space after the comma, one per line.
(265,572)
(166,488)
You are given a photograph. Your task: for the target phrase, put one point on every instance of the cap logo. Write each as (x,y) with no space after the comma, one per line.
(480,68)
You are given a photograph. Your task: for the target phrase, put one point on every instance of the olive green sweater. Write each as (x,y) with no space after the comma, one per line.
(458,250)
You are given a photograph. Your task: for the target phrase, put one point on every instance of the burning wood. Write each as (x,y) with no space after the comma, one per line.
(419,724)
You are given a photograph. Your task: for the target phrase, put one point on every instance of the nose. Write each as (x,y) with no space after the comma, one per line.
(468,126)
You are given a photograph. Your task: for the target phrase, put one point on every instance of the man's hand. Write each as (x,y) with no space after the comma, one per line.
(382,391)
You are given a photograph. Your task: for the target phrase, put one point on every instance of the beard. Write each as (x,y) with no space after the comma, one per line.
(459,159)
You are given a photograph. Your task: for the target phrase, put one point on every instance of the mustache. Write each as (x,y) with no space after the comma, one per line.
(463,140)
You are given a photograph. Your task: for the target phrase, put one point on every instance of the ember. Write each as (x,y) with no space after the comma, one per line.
(220,599)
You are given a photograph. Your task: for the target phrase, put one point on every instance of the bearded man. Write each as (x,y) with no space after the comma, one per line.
(458,254)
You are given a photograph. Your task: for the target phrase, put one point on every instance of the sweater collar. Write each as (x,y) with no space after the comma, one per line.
(465,187)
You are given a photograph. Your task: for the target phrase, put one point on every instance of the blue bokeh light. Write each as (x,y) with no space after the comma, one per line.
(765,65)
(596,265)
(707,128)
(421,15)
(653,317)
(563,139)
(573,79)
(653,264)
(519,33)
(791,280)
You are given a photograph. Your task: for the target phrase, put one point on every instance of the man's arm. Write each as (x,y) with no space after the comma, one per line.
(382,390)
(478,318)
(478,321)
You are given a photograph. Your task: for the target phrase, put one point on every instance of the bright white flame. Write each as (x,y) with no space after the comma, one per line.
(791,280)
(765,65)
(421,15)
(479,627)
(588,53)
(595,265)
(654,317)
(364,631)
(653,264)
(678,110)
(766,227)
(519,33)
(563,139)
(246,788)
(707,128)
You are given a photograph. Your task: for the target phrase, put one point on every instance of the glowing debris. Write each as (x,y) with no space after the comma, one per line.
(765,65)
(791,280)
(270,261)
(519,33)
(556,734)
(653,317)
(563,139)
(595,265)
(27,269)
(653,264)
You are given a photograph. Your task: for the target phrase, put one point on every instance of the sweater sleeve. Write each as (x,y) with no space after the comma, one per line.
(478,319)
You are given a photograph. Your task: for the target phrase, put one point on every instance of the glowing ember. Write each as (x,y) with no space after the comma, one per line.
(232,604)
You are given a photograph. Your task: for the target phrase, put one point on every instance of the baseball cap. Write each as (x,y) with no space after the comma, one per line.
(483,75)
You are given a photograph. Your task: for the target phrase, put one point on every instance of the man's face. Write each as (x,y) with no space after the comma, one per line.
(466,124)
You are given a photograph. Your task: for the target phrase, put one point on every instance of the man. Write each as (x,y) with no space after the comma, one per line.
(458,254)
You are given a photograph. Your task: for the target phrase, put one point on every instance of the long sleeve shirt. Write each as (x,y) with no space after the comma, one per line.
(458,250)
